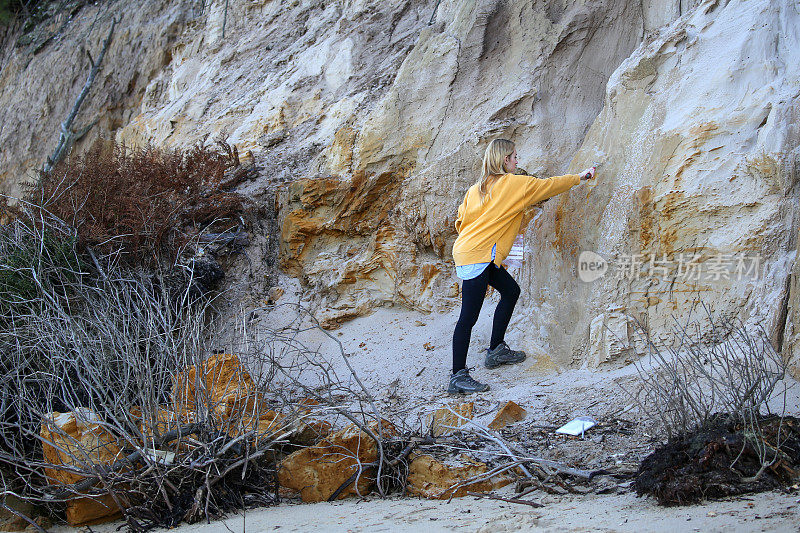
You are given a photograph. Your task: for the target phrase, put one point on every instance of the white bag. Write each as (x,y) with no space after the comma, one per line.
(517,253)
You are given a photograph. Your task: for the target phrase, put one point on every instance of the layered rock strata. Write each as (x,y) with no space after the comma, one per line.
(695,209)
(372,117)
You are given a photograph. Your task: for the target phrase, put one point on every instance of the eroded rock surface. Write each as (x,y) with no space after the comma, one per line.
(39,82)
(697,145)
(318,471)
(371,118)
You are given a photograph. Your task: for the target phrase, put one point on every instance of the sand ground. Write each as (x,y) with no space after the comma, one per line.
(769,511)
(403,357)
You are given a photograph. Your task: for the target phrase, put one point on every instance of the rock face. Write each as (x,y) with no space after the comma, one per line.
(318,471)
(39,82)
(438,480)
(697,196)
(374,116)
(77,440)
(490,68)
(791,336)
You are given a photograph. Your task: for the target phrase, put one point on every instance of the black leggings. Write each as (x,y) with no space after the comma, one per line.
(473,292)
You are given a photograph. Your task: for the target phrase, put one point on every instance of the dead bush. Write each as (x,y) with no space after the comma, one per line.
(89,367)
(144,203)
(729,368)
(114,401)
(710,395)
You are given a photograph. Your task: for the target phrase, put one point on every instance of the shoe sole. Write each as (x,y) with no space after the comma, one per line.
(464,393)
(506,363)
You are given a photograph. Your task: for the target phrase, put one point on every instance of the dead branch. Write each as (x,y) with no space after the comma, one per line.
(526,486)
(508,500)
(404,453)
(67,137)
(377,438)
(491,435)
(225,19)
(349,481)
(735,371)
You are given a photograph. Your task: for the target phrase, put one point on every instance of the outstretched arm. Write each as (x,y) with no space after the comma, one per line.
(539,190)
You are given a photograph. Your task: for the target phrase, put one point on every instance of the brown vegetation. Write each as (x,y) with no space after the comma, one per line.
(144,202)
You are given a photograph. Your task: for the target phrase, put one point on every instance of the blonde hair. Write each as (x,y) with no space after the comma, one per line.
(494,164)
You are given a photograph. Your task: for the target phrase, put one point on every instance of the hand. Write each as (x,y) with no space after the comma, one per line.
(588,173)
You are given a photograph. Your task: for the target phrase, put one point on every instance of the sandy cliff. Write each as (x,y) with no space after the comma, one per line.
(368,120)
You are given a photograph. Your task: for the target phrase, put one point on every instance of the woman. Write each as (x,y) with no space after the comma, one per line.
(488,222)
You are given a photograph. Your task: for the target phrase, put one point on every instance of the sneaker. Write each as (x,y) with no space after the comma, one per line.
(462,382)
(503,355)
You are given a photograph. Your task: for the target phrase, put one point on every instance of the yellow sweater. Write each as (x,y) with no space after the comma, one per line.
(497,220)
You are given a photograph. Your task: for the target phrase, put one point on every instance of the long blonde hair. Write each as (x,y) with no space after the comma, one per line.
(494,164)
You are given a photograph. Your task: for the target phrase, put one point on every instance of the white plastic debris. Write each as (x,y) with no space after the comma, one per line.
(517,253)
(577,426)
(160,456)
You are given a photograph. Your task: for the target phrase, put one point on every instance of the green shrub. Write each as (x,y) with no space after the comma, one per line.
(31,264)
(10,8)
(6,11)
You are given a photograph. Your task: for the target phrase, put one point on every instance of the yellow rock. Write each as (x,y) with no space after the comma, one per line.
(448,419)
(510,413)
(266,426)
(164,419)
(433,479)
(73,439)
(316,472)
(224,386)
(308,433)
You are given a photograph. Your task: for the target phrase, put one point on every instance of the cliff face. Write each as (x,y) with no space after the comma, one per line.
(698,144)
(40,81)
(371,118)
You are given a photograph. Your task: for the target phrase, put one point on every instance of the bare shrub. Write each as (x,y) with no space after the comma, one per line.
(176,430)
(108,351)
(180,431)
(709,391)
(685,385)
(720,382)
